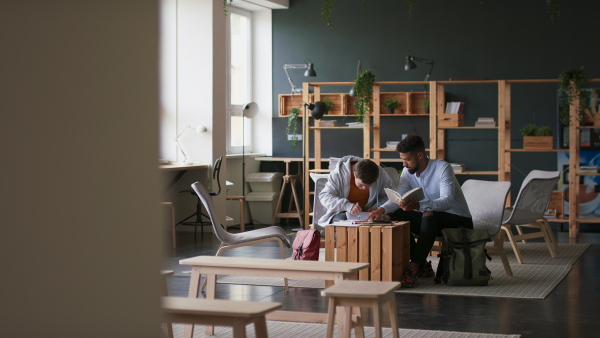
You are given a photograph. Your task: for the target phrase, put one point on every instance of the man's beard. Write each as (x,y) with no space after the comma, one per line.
(415,169)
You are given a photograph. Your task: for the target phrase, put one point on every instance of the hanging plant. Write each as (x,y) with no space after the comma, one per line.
(364,92)
(327,9)
(225,3)
(292,126)
(578,80)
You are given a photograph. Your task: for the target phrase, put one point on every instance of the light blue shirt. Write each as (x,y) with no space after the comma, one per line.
(440,187)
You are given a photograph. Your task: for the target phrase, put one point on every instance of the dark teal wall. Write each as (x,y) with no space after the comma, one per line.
(494,39)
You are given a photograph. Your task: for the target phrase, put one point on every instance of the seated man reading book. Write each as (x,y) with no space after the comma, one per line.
(354,185)
(443,205)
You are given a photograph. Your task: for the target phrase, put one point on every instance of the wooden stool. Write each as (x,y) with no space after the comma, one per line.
(291,180)
(240,199)
(371,294)
(219,312)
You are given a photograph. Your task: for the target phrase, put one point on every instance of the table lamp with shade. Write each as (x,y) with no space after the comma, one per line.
(197,130)
(310,71)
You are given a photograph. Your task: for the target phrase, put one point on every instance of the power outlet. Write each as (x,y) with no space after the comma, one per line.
(297,137)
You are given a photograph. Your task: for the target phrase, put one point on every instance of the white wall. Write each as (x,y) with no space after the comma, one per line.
(81,246)
(263,90)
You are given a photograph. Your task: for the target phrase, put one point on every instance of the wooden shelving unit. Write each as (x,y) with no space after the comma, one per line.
(412,103)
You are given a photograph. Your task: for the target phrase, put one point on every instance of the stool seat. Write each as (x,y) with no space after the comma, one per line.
(352,293)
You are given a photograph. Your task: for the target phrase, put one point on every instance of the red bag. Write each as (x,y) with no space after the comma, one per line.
(306,245)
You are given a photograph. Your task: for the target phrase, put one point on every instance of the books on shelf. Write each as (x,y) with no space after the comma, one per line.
(416,194)
(457,167)
(391,144)
(485,122)
(328,123)
(589,169)
(354,124)
(455,107)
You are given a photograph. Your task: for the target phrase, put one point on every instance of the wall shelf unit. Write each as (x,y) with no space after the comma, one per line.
(413,107)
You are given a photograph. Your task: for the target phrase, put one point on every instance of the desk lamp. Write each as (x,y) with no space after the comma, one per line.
(249,110)
(197,130)
(310,71)
(411,65)
(353,91)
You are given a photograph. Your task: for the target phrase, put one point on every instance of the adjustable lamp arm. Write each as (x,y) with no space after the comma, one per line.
(290,66)
(426,61)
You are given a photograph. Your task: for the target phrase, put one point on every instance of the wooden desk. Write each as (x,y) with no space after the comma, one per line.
(386,247)
(220,265)
(181,170)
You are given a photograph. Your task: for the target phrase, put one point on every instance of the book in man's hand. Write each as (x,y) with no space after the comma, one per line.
(416,194)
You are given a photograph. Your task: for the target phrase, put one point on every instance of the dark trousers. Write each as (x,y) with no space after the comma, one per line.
(427,229)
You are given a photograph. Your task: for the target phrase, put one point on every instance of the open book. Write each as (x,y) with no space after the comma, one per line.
(416,194)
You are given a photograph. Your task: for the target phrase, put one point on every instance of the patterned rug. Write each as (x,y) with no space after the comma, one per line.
(302,330)
(534,280)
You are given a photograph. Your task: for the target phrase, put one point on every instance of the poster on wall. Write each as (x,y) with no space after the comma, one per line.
(589,186)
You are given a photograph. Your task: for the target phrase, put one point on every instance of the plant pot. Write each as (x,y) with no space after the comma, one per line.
(537,142)
(391,110)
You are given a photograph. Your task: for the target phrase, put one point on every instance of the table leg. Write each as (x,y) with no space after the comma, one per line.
(393,316)
(330,317)
(194,291)
(260,327)
(239,330)
(377,319)
(211,285)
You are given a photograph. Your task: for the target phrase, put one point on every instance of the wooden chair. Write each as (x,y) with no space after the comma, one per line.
(528,211)
(486,201)
(235,240)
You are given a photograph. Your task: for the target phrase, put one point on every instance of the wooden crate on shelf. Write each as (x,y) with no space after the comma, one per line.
(339,104)
(450,120)
(557,203)
(537,142)
(415,103)
(402,99)
(289,101)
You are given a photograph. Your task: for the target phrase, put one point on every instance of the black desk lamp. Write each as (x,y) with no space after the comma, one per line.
(411,65)
(310,71)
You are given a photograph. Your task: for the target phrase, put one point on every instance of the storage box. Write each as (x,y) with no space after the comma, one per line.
(262,206)
(537,142)
(385,247)
(264,181)
(450,120)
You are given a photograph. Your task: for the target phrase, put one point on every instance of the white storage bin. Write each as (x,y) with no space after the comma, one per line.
(262,206)
(264,181)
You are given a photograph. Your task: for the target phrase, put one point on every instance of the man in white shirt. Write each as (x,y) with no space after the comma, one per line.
(444,205)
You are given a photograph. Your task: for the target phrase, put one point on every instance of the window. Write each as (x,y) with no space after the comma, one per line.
(239,78)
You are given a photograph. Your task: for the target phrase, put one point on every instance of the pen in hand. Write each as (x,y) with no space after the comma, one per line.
(358,212)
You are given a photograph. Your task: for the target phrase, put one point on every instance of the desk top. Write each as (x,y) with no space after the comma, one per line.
(177,167)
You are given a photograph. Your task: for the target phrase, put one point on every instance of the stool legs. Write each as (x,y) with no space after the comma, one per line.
(393,317)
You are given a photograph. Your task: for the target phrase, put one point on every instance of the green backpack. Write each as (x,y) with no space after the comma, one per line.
(462,261)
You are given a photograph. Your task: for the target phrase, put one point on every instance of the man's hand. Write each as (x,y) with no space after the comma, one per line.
(376,214)
(409,206)
(356,209)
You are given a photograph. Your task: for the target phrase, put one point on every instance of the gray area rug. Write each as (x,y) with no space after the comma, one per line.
(533,280)
(303,330)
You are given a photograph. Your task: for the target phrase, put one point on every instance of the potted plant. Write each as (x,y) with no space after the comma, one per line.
(535,137)
(292,126)
(391,105)
(364,92)
(572,85)
(328,104)
(426,105)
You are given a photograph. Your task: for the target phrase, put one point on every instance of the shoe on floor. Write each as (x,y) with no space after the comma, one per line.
(409,278)
(426,270)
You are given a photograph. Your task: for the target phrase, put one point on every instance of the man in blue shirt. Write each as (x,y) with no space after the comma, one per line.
(444,205)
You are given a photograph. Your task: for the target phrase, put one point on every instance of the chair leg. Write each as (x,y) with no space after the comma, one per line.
(520,232)
(498,245)
(550,233)
(548,236)
(506,228)
(285,280)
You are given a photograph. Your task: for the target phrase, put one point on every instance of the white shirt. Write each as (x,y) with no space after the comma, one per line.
(440,187)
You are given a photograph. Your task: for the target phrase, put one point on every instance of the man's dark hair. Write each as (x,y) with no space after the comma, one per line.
(366,171)
(411,144)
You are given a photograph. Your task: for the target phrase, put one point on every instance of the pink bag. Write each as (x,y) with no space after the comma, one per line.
(306,245)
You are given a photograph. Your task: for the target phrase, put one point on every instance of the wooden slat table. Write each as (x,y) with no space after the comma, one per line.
(212,266)
(386,247)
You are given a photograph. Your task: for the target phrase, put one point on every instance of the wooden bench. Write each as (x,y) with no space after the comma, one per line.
(236,314)
(219,265)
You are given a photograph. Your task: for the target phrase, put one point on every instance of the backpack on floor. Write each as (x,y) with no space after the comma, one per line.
(462,260)
(306,245)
